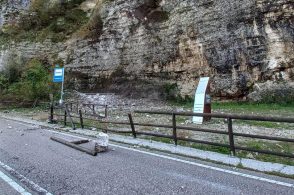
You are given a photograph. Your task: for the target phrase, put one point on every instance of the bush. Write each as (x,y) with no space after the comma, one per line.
(171,91)
(13,68)
(3,83)
(92,29)
(10,29)
(36,78)
(47,20)
(28,83)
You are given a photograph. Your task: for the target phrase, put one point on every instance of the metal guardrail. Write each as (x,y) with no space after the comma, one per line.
(174,127)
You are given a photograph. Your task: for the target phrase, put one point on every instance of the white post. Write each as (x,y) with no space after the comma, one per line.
(199,101)
(62,88)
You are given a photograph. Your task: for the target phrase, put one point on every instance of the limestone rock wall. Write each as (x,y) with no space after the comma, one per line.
(148,43)
(26,50)
(237,43)
(10,9)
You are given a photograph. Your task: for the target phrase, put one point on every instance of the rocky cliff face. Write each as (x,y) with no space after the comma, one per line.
(146,45)
(10,10)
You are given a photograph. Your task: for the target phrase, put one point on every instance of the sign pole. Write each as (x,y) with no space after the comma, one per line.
(62,88)
(58,77)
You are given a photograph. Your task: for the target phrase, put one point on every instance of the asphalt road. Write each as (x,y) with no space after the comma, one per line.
(5,188)
(39,164)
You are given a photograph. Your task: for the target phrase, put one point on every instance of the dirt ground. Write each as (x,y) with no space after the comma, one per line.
(118,108)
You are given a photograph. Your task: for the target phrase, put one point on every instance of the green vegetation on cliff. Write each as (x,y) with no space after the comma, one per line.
(25,80)
(45,21)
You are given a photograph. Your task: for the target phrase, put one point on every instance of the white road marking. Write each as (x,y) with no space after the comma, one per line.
(195,164)
(13,184)
(210,167)
(23,179)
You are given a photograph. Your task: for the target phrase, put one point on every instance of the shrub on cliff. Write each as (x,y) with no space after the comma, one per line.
(13,68)
(36,79)
(3,83)
(28,83)
(92,29)
(172,94)
(47,20)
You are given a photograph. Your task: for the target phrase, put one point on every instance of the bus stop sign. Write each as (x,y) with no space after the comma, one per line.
(58,76)
(201,98)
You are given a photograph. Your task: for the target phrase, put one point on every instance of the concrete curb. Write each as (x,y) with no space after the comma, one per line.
(181,150)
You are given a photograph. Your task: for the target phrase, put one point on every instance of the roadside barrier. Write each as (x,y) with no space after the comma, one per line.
(231,135)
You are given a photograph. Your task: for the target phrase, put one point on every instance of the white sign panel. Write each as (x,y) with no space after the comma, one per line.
(58,75)
(58,72)
(200,99)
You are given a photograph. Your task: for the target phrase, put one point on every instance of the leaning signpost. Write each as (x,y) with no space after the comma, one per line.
(202,100)
(58,77)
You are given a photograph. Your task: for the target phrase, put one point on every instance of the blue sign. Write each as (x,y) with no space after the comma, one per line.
(58,76)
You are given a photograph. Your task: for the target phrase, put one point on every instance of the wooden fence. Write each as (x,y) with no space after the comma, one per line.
(175,127)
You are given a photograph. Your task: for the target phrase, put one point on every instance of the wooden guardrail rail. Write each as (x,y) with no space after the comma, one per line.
(174,127)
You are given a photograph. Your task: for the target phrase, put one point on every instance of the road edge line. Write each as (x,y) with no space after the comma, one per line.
(211,167)
(30,184)
(194,163)
(13,184)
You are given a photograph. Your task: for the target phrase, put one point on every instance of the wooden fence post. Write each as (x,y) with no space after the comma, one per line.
(132,125)
(175,129)
(70,118)
(51,113)
(81,119)
(231,137)
(65,117)
(106,111)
